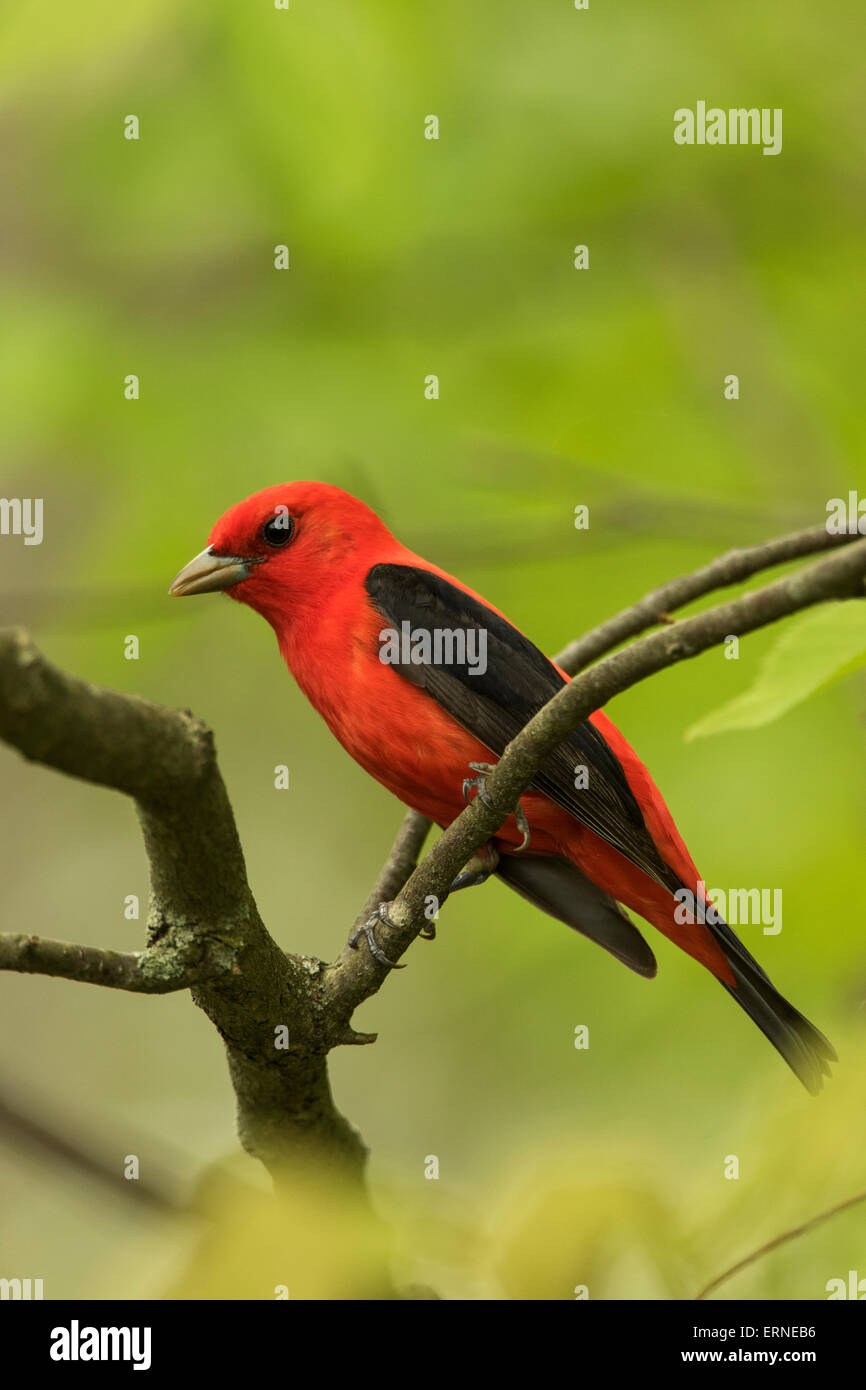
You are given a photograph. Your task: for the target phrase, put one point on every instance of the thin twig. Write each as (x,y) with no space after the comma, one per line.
(19,1127)
(402,859)
(657,606)
(779,1240)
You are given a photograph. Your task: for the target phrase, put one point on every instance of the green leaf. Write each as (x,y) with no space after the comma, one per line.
(817,648)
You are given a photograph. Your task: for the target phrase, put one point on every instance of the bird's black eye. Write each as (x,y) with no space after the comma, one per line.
(278,531)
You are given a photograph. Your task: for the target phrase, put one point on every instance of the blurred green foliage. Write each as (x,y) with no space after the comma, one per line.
(814,649)
(604,387)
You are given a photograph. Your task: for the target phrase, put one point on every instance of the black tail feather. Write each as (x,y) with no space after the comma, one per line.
(802,1045)
(558,887)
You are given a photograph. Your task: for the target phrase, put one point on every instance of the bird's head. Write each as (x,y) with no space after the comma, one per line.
(284,547)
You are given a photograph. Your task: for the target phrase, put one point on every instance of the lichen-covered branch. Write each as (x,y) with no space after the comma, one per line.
(143,972)
(204,929)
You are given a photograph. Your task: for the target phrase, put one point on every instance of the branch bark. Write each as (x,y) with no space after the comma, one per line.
(144,972)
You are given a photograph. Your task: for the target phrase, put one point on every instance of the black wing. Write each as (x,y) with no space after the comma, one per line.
(495,703)
(558,887)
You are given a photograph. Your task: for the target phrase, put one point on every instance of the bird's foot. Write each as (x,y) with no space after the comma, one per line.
(483,769)
(380,915)
(477,870)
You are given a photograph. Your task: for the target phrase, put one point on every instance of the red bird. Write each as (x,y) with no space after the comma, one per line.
(419,677)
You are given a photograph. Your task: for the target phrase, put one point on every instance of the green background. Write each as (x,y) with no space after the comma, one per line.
(557,387)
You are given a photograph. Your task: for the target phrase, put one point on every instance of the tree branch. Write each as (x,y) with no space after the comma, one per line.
(656,606)
(203,924)
(144,972)
(402,858)
(22,1127)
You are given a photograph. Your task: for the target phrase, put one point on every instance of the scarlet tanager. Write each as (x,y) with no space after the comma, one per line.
(419,677)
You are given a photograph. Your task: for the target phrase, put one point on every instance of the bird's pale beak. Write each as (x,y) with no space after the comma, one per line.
(209,572)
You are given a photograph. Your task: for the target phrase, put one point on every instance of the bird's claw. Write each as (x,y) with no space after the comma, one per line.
(523,827)
(477,782)
(366,930)
(519,814)
(476,870)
